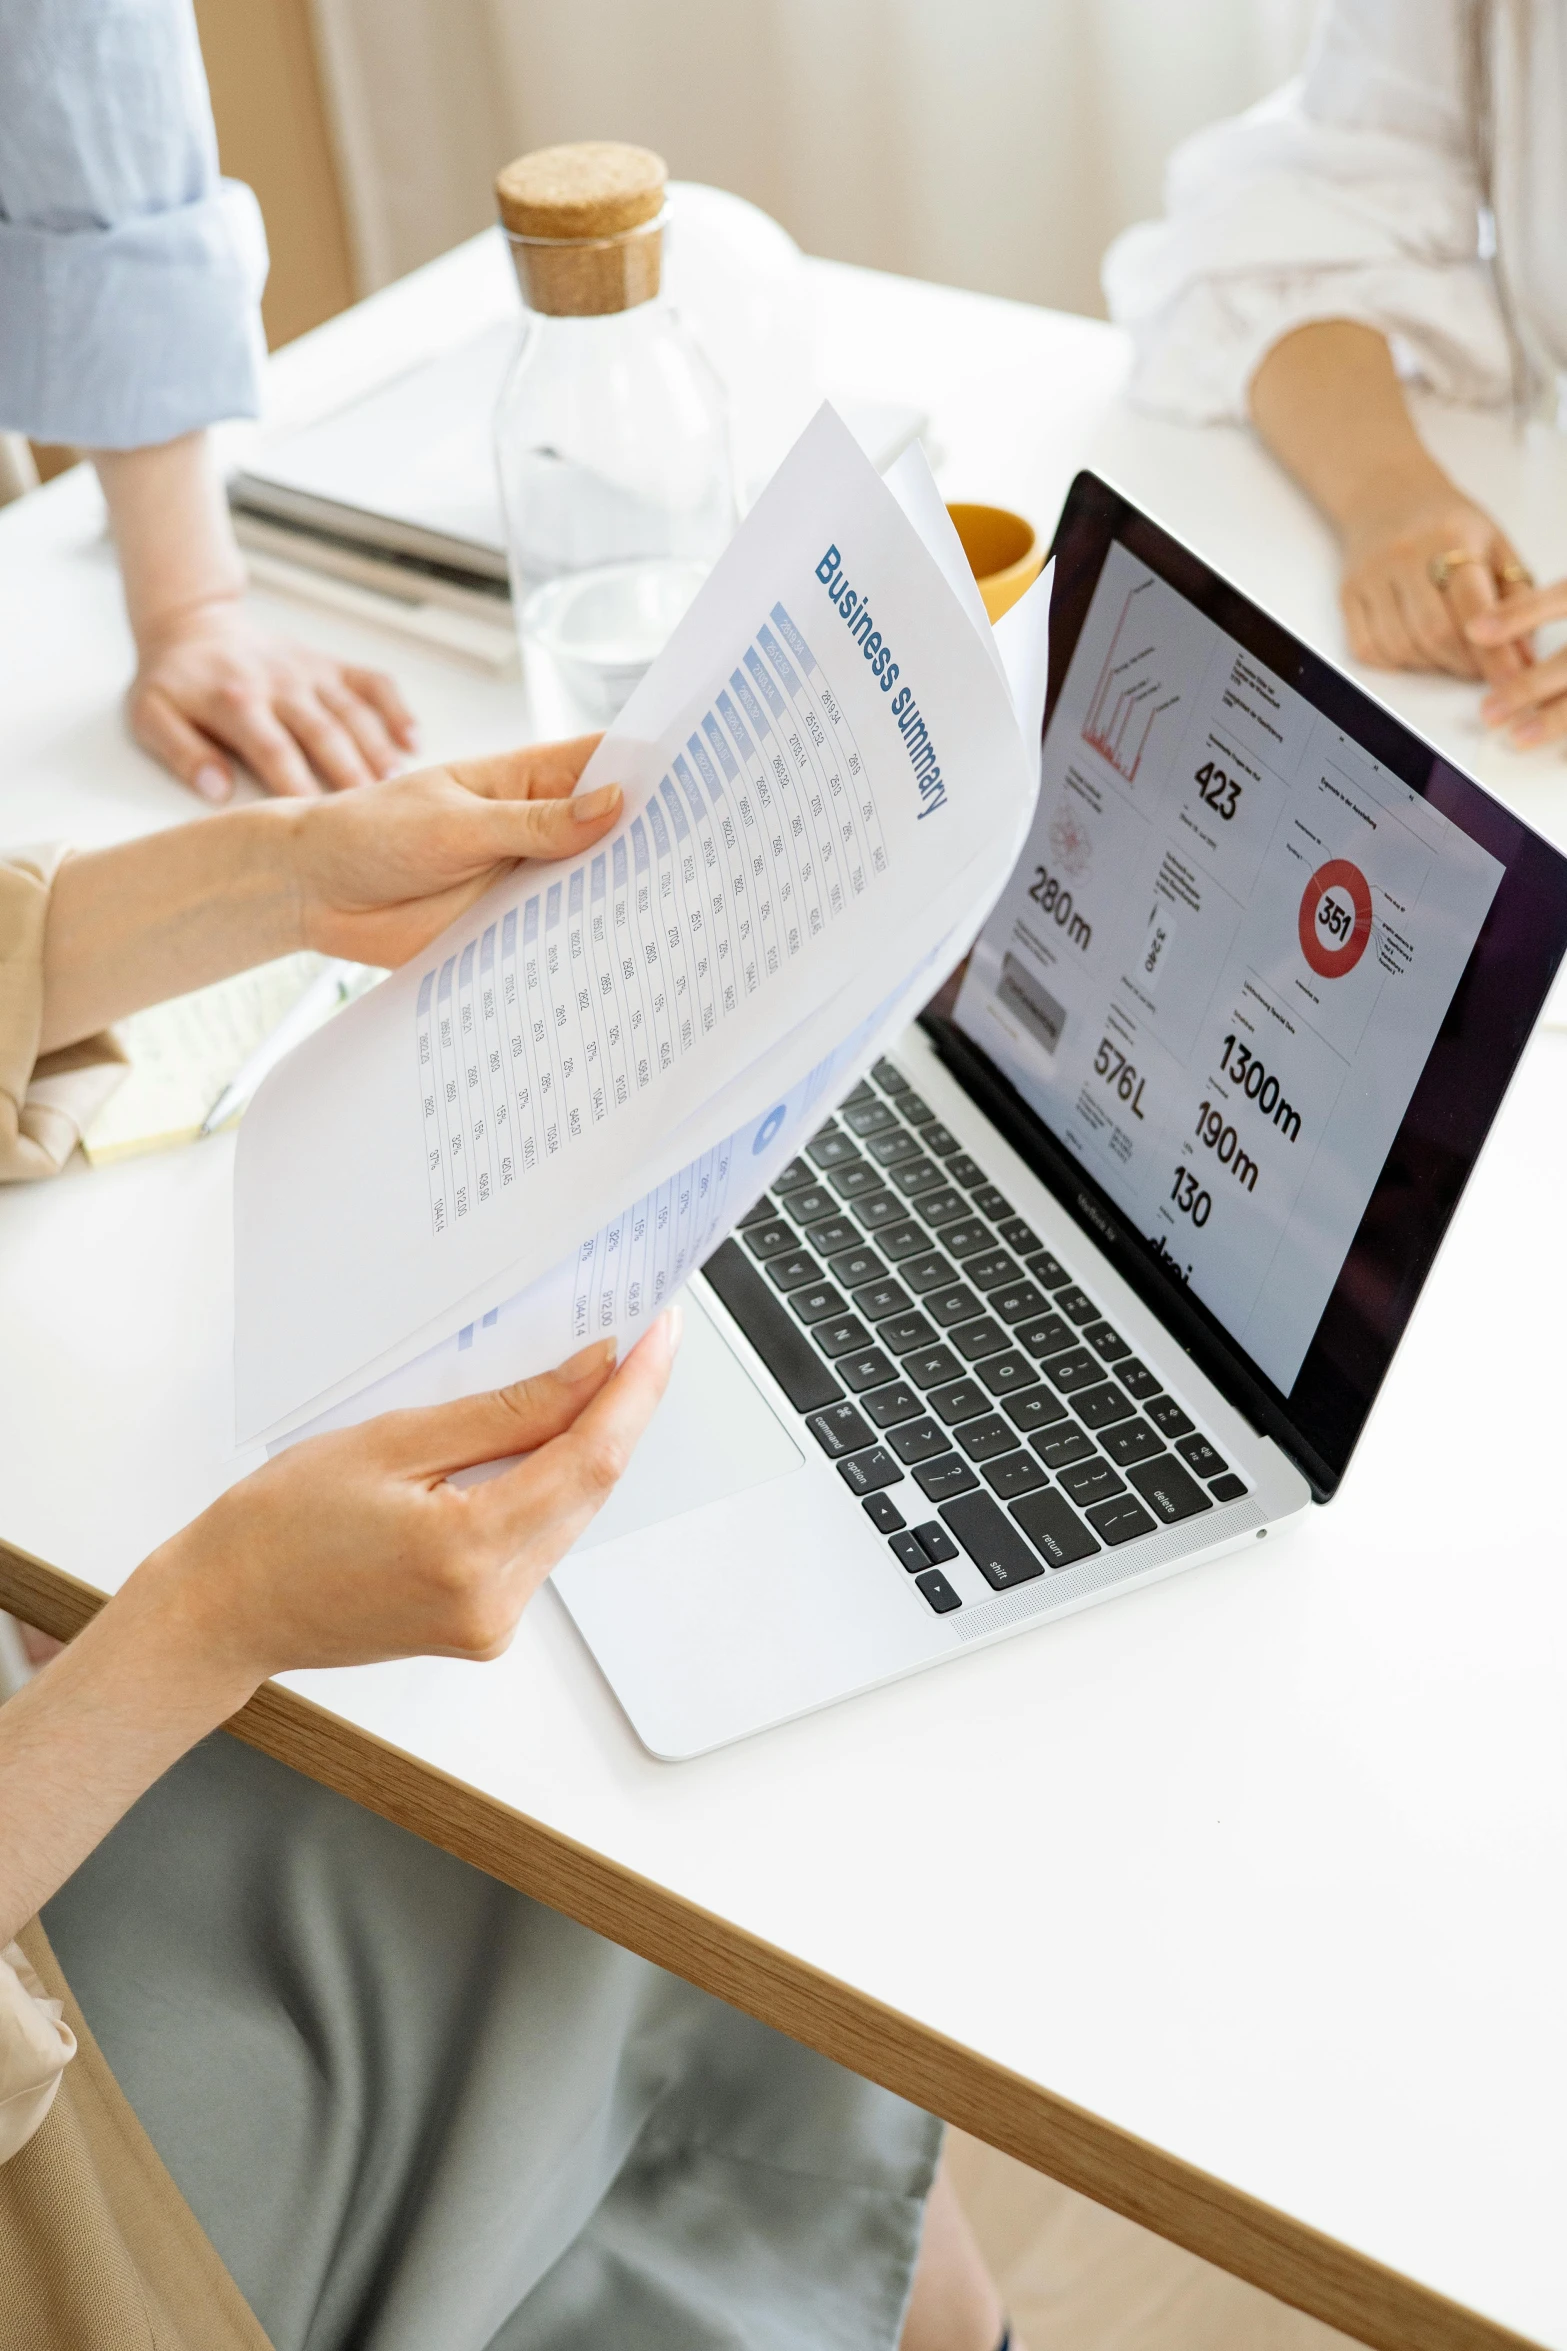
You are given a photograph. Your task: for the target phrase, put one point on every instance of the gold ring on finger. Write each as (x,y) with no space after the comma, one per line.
(1441,568)
(1515,575)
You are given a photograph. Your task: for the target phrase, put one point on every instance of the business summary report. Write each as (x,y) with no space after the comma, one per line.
(826,781)
(1223,958)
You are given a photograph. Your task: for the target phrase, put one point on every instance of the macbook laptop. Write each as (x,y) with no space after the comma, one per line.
(1097,1274)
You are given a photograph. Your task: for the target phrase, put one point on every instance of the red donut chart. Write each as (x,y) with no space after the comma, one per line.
(1333,936)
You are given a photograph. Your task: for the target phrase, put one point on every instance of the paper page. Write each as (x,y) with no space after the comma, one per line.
(185,1052)
(824,749)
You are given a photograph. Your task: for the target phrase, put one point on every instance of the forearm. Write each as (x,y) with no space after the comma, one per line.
(172,533)
(154,917)
(94,1730)
(1328,403)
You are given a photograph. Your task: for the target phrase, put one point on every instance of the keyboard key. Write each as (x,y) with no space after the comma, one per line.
(1090,1481)
(991,1203)
(1120,1521)
(930,1271)
(917,1440)
(932,1367)
(1076,1304)
(788,1273)
(888,1149)
(991,1541)
(1106,1343)
(769,1240)
(1014,1474)
(943,1207)
(1199,1455)
(759,1212)
(982,1440)
(1054,1529)
(833,1233)
(1019,1236)
(1073,1370)
(1052,1336)
(856,1181)
(940,1139)
(840,1429)
(1167,1416)
(913,1176)
(992,1270)
(909,1552)
(868,1369)
(863,1092)
(1048,1271)
(794,1177)
(1002,1374)
(818,1302)
(915,1109)
(939,1480)
(1169,1491)
(1228,1489)
(810,1204)
(959,1304)
(869,1117)
(937,1544)
(838,1337)
(964,1170)
(1101,1406)
(904,1332)
(889,1406)
(900,1241)
(1137,1379)
(856,1265)
(831,1147)
(890,1079)
(1016,1301)
(1036,1408)
(781,1344)
(883,1513)
(962,1400)
(1133,1441)
(1058,1448)
(974,1339)
(936,1589)
(966,1237)
(878,1209)
(867,1473)
(879,1299)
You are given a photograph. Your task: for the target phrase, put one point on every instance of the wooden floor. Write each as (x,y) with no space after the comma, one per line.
(1077,2278)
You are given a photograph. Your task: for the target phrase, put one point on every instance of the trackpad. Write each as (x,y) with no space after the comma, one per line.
(713,1435)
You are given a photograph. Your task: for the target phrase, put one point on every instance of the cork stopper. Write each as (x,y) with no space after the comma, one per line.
(585,224)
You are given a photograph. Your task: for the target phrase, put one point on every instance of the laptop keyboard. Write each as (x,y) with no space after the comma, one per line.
(969,1392)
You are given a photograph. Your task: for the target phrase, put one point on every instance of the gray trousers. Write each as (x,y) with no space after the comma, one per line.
(416,2111)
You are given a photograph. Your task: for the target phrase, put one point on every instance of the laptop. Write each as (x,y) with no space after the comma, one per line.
(1096,1275)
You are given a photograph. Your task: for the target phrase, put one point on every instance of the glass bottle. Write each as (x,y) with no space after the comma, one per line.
(611,432)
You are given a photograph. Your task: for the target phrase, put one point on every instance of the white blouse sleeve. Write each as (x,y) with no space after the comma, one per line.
(1349,194)
(35,2049)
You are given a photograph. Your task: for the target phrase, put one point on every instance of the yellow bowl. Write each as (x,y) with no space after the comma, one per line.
(1003,551)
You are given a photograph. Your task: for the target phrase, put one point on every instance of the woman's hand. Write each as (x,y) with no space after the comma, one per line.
(1532,703)
(1397,615)
(210,683)
(380,873)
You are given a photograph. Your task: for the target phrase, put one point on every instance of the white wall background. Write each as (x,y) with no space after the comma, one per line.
(996,144)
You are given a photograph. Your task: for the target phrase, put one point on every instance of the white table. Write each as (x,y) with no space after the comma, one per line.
(1236,1904)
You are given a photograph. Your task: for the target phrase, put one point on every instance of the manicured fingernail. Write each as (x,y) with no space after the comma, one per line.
(675,1316)
(589,1361)
(587,807)
(212,783)
(1532,731)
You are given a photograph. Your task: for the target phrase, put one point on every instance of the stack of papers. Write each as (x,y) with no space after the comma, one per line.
(533,1133)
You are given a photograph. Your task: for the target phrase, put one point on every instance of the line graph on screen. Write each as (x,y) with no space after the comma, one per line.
(1131,694)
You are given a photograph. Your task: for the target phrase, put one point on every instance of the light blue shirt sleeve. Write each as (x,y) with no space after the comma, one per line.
(130,270)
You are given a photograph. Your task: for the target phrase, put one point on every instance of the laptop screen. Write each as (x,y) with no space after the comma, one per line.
(1258,979)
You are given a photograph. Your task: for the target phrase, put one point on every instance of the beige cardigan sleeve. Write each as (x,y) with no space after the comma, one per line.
(44,1104)
(36,2045)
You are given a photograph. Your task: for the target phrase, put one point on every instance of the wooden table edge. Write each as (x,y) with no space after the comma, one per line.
(1297,2264)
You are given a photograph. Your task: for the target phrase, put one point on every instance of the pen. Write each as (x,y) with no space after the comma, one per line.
(329,989)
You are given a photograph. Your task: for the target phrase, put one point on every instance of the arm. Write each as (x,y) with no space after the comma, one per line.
(1327,402)
(346,1549)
